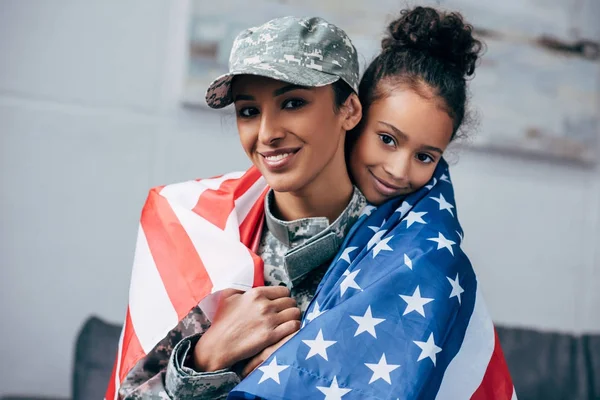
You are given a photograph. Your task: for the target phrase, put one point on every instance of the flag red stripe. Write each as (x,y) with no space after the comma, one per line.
(215,206)
(132,349)
(250,234)
(110,392)
(174,254)
(180,267)
(496,383)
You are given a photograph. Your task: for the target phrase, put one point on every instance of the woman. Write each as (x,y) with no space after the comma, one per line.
(293,82)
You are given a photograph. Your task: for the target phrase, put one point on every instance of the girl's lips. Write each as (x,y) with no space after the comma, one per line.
(384,187)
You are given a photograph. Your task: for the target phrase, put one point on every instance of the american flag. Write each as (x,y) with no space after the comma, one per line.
(399,314)
(199,237)
(195,238)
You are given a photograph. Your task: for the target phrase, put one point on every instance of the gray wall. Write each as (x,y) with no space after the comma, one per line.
(90,120)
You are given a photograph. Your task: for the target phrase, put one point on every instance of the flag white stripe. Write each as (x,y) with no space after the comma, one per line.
(514,396)
(227,262)
(151,310)
(243,205)
(118,367)
(466,370)
(245,202)
(186,194)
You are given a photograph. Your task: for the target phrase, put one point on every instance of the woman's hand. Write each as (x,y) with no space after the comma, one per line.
(263,355)
(245,324)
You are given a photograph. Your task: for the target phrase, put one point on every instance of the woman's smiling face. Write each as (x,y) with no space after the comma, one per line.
(290,133)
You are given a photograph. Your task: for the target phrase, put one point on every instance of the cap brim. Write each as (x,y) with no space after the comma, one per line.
(218,94)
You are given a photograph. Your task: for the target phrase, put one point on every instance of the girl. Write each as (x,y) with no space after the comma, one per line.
(414,99)
(399,313)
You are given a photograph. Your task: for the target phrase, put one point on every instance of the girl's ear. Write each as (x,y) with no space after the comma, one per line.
(352,112)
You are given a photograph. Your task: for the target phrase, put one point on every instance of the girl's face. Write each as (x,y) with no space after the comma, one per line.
(400,144)
(292,134)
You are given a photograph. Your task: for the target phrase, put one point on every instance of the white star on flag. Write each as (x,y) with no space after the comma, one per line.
(333,392)
(367,210)
(428,349)
(415,302)
(444,205)
(403,209)
(408,261)
(413,217)
(272,371)
(349,281)
(429,187)
(456,288)
(382,246)
(319,346)
(377,228)
(376,238)
(315,312)
(346,254)
(382,370)
(443,242)
(445,178)
(367,323)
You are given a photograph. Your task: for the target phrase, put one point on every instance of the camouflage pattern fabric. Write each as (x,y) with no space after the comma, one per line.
(299,237)
(165,372)
(302,51)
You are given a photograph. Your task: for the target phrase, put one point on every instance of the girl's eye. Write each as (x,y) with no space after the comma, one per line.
(387,139)
(425,158)
(292,104)
(247,112)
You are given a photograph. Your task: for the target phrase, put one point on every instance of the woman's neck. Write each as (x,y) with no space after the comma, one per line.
(327,196)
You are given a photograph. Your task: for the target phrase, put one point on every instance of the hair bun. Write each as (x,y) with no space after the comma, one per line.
(441,35)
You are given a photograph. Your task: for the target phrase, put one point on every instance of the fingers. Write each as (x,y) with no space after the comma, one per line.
(282,303)
(270,292)
(287,315)
(252,364)
(263,355)
(286,329)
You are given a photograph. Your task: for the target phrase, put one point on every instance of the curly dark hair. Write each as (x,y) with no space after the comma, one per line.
(429,51)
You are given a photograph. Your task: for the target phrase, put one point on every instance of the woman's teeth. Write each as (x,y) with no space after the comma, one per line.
(277,157)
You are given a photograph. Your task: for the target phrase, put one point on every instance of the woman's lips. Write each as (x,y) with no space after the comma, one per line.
(278,159)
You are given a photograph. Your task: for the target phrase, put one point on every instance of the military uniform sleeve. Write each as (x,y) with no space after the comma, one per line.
(165,373)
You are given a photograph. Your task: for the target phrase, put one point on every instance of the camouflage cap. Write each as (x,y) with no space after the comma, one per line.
(301,51)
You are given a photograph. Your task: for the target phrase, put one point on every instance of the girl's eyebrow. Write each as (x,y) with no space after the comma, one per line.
(397,131)
(403,136)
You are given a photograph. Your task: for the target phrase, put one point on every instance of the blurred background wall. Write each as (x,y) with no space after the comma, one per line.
(90,119)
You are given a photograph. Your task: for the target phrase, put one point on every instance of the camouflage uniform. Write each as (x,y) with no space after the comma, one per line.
(296,253)
(302,51)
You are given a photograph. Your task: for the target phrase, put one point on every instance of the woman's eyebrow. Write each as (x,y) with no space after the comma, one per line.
(288,88)
(242,97)
(277,92)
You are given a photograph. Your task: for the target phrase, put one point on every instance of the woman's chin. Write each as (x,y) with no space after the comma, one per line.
(283,183)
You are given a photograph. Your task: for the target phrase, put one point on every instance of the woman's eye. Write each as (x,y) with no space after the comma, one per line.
(387,139)
(247,112)
(425,158)
(293,103)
